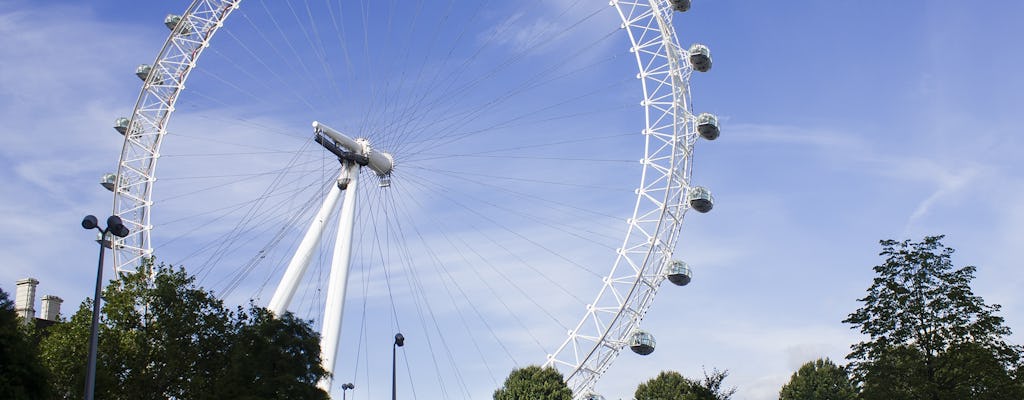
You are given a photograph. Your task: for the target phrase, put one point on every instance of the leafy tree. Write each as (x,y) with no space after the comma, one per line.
(819,380)
(534,383)
(670,385)
(163,337)
(21,374)
(922,319)
(272,358)
(970,371)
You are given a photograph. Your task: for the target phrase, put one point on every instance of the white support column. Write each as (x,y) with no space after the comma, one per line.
(333,312)
(297,266)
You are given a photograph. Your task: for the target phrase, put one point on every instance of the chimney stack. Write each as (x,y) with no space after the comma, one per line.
(25,299)
(51,307)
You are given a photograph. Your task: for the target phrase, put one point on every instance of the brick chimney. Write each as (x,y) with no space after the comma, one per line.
(25,299)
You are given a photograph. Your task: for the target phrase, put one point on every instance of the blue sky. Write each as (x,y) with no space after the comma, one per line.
(843,123)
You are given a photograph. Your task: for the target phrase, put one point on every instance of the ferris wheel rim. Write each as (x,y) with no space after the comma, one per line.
(132,196)
(581,386)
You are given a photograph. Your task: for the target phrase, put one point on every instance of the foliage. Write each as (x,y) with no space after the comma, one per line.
(670,385)
(923,324)
(272,358)
(21,374)
(163,337)
(819,380)
(534,383)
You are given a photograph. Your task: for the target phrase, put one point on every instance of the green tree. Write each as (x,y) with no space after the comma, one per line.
(163,337)
(922,318)
(670,385)
(534,383)
(21,374)
(819,380)
(271,358)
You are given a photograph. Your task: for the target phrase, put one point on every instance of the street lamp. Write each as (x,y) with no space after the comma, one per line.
(116,228)
(344,389)
(399,342)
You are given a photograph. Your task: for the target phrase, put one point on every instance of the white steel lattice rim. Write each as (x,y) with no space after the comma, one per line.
(670,131)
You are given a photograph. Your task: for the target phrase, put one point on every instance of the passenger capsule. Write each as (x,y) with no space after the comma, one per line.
(680,5)
(678,273)
(144,71)
(707,126)
(593,396)
(700,57)
(109,181)
(172,22)
(121,125)
(701,199)
(641,342)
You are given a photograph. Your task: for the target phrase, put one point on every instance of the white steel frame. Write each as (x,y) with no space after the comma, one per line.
(628,290)
(136,171)
(670,134)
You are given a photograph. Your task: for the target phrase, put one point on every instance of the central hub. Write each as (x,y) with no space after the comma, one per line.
(358,150)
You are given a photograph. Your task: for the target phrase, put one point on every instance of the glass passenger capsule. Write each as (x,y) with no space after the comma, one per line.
(143,72)
(700,57)
(707,126)
(109,181)
(121,125)
(172,21)
(701,199)
(680,5)
(678,273)
(641,342)
(593,396)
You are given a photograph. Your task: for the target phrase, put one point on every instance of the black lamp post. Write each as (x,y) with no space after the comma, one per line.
(116,228)
(344,389)
(399,342)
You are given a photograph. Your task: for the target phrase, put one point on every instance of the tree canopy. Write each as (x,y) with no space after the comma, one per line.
(534,383)
(21,374)
(163,337)
(819,380)
(929,335)
(671,385)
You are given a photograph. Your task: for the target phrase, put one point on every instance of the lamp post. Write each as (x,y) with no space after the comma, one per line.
(344,389)
(399,342)
(116,228)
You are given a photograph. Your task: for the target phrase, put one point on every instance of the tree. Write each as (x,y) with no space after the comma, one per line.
(670,385)
(534,383)
(21,374)
(818,380)
(272,358)
(163,337)
(921,318)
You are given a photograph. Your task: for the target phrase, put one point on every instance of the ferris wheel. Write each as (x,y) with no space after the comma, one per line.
(431,134)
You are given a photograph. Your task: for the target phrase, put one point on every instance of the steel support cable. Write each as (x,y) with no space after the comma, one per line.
(511,61)
(485,282)
(457,135)
(417,285)
(554,224)
(438,263)
(534,82)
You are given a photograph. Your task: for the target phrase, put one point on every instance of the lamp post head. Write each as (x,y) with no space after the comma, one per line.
(347,386)
(89,222)
(116,226)
(399,340)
